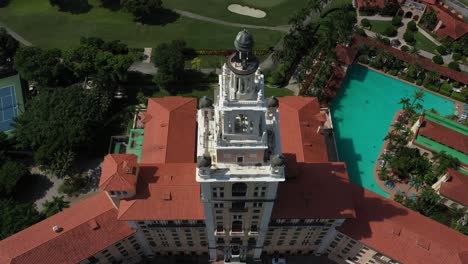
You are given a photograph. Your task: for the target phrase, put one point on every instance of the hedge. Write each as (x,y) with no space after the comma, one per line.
(459,97)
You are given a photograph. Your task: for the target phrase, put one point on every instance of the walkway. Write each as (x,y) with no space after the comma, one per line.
(15,35)
(283,28)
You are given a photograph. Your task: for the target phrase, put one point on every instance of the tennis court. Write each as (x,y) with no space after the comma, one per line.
(11,102)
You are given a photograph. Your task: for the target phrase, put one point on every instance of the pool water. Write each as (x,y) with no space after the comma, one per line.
(362,112)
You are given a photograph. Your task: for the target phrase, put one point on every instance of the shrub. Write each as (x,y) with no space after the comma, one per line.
(419,82)
(442,50)
(454,66)
(446,93)
(365,23)
(363,59)
(412,26)
(390,31)
(458,96)
(438,59)
(361,32)
(405,48)
(446,86)
(396,21)
(456,84)
(409,37)
(72,185)
(386,41)
(393,72)
(456,56)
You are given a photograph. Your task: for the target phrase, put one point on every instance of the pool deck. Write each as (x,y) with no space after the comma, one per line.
(398,186)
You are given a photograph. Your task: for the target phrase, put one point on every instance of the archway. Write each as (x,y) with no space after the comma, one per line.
(409,14)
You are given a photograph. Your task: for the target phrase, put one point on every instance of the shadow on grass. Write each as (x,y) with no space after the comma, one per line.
(113,5)
(73,7)
(4,3)
(161,18)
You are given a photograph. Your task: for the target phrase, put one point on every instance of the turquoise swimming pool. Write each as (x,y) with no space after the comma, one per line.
(362,112)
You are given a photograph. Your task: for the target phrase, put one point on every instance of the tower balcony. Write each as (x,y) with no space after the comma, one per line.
(236,232)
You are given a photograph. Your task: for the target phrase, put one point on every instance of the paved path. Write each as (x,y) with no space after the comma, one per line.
(15,35)
(282,28)
(429,36)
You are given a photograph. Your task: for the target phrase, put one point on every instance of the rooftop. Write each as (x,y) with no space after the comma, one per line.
(300,119)
(87,224)
(170,130)
(455,188)
(311,191)
(118,172)
(164,192)
(401,233)
(452,26)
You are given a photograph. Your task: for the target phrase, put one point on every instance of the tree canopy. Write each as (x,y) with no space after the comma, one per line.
(8,47)
(142,9)
(57,204)
(10,173)
(15,217)
(170,60)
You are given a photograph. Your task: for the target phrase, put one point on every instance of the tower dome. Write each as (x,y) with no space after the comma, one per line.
(244,41)
(204,161)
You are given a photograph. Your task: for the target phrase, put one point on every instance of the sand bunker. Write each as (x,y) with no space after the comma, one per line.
(246,11)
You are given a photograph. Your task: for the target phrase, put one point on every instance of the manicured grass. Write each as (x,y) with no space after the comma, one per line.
(208,90)
(44,26)
(278,11)
(424,43)
(380,26)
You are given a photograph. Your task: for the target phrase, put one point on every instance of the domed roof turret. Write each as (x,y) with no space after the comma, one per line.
(277,160)
(272,102)
(205,102)
(204,161)
(244,41)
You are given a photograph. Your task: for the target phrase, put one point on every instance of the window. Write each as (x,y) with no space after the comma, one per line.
(218,205)
(239,189)
(218,192)
(240,159)
(257,205)
(238,205)
(236,226)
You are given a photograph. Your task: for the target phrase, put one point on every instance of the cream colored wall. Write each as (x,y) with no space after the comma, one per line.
(127,250)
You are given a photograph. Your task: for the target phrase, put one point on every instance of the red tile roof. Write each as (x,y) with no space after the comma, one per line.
(444,135)
(170,130)
(164,192)
(119,172)
(88,227)
(456,188)
(317,190)
(401,233)
(452,26)
(299,123)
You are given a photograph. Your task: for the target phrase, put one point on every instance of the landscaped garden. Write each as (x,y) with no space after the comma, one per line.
(43,25)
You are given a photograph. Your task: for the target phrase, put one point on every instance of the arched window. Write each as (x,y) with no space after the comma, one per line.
(239,189)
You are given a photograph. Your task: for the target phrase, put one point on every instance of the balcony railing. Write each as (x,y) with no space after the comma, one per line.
(236,232)
(220,232)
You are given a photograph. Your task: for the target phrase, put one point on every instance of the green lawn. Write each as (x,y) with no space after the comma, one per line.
(380,26)
(278,11)
(44,26)
(424,43)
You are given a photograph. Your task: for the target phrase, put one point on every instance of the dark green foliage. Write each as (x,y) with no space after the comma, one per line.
(386,41)
(59,120)
(459,97)
(72,6)
(142,9)
(170,61)
(365,23)
(57,204)
(454,66)
(412,26)
(396,21)
(42,66)
(442,50)
(456,56)
(16,216)
(405,48)
(390,31)
(8,47)
(429,19)
(390,8)
(73,185)
(408,161)
(438,59)
(360,32)
(10,173)
(409,37)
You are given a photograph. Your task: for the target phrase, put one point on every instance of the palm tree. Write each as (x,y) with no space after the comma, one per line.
(56,205)
(316,5)
(405,102)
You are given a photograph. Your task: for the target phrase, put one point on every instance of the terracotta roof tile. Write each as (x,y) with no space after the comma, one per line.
(164,192)
(456,188)
(312,192)
(420,239)
(87,228)
(444,135)
(119,172)
(170,133)
(299,122)
(452,26)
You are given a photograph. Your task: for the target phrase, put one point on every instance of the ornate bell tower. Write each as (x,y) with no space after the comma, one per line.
(239,157)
